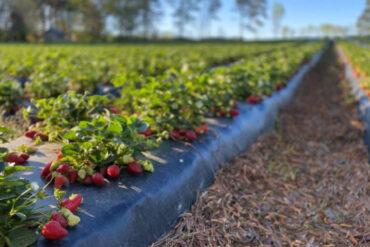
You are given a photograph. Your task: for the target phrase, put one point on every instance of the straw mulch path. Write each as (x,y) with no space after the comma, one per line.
(305,184)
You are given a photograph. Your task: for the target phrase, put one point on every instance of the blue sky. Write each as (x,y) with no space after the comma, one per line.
(298,14)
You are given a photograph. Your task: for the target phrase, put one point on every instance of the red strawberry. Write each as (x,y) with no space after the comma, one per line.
(60,155)
(198,130)
(72,203)
(235,104)
(253,99)
(63,168)
(182,133)
(72,175)
(30,134)
(205,127)
(103,171)
(222,113)
(234,113)
(53,230)
(59,181)
(19,160)
(135,168)
(212,112)
(147,132)
(363,87)
(59,218)
(24,156)
(113,171)
(87,180)
(98,179)
(175,134)
(14,109)
(49,176)
(11,158)
(279,87)
(190,135)
(46,169)
(114,109)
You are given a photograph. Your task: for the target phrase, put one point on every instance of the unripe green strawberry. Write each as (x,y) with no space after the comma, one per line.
(82,174)
(146,165)
(72,219)
(127,159)
(55,164)
(31,150)
(89,171)
(151,144)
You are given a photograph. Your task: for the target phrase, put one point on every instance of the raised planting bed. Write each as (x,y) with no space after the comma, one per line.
(137,210)
(360,92)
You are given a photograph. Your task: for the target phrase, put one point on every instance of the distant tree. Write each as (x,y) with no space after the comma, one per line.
(184,14)
(208,13)
(91,20)
(148,13)
(250,14)
(133,16)
(311,30)
(22,19)
(329,30)
(363,22)
(287,32)
(278,12)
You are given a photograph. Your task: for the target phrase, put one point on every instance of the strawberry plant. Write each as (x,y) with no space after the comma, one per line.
(11,94)
(19,215)
(358,57)
(94,145)
(64,112)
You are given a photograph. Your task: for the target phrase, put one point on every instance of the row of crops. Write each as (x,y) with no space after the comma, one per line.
(160,92)
(51,70)
(358,58)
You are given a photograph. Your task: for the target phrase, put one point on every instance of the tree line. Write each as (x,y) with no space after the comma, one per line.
(89,20)
(93,20)
(363,22)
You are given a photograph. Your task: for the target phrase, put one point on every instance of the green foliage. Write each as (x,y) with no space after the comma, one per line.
(17,204)
(104,140)
(65,111)
(11,94)
(359,57)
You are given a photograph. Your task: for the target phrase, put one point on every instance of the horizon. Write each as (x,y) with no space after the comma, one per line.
(298,15)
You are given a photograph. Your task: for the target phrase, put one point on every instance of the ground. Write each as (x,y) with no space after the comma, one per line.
(304,184)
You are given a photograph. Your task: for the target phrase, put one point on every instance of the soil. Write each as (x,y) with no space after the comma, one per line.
(304,184)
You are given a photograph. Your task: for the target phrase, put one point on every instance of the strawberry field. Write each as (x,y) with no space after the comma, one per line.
(358,57)
(107,116)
